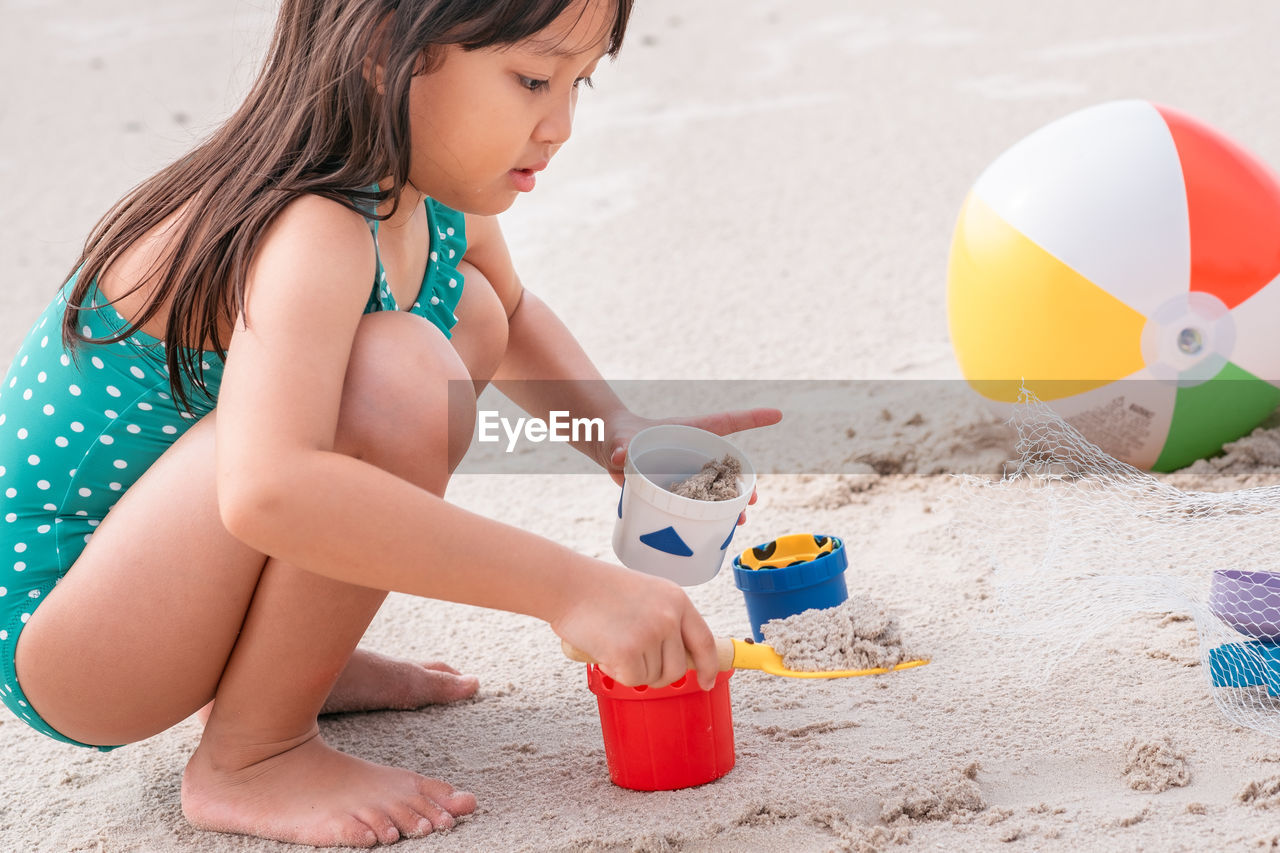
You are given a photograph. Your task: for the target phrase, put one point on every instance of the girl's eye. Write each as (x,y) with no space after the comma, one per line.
(532,83)
(582,80)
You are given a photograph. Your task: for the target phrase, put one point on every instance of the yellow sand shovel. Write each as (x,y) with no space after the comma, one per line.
(745,654)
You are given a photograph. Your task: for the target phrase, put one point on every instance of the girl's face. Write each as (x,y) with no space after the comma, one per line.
(486,121)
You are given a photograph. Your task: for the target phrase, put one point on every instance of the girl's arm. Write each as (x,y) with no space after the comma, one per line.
(546,369)
(539,346)
(284,491)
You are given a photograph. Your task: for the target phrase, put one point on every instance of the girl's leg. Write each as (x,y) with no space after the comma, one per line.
(375,682)
(165,610)
(370,681)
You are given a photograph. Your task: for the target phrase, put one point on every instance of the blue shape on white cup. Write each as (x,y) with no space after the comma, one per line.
(667,541)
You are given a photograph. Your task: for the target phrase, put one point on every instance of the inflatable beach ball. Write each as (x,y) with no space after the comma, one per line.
(1121,264)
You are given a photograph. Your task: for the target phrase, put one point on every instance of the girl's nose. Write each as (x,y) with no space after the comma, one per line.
(556,126)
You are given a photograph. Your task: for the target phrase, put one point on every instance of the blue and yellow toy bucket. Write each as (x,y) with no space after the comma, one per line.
(789,575)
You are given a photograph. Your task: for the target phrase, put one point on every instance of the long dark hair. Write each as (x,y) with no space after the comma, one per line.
(311,123)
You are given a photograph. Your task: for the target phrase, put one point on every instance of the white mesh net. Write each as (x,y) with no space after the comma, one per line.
(1079,541)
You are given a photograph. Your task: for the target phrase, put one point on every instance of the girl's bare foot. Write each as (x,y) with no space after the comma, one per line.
(312,794)
(374,682)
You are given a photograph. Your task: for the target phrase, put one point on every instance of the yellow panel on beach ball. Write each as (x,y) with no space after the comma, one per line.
(1018,315)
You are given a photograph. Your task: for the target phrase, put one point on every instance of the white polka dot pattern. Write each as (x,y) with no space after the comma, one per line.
(74,434)
(441,287)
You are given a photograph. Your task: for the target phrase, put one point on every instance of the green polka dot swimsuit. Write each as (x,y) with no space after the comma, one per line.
(78,429)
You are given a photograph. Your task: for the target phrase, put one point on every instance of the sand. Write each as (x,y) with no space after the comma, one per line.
(1155,765)
(858,634)
(716,481)
(795,174)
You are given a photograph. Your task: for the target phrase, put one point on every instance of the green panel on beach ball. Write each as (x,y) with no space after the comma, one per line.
(1208,415)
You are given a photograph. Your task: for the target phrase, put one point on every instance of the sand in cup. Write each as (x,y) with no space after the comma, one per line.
(661,533)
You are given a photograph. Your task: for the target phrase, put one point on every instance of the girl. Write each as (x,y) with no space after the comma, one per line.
(251,369)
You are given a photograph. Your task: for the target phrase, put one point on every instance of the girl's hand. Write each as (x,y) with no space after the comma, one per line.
(620,429)
(640,629)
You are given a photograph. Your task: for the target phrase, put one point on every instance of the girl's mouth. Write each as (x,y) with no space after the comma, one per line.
(523,179)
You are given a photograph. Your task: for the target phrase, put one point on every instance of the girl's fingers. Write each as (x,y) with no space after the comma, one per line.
(675,662)
(721,423)
(613,466)
(700,644)
(724,423)
(650,668)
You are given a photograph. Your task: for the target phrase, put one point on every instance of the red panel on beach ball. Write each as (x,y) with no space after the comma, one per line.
(1233,204)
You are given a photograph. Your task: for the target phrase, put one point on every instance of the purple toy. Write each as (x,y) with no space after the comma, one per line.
(1248,602)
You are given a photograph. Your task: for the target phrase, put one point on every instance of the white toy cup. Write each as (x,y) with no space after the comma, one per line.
(661,533)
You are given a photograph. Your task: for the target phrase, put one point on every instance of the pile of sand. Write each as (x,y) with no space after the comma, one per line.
(860,633)
(955,796)
(1155,765)
(716,481)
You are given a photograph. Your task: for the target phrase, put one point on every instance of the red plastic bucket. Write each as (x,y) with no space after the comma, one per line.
(661,739)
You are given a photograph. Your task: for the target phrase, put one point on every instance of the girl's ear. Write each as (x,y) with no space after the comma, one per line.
(375,71)
(373,75)
(375,61)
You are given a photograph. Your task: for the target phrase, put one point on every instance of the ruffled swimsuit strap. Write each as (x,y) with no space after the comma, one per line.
(443,282)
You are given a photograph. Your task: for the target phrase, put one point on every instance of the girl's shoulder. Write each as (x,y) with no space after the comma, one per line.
(316,234)
(320,217)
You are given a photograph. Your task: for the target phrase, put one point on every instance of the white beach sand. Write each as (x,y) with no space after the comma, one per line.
(761,190)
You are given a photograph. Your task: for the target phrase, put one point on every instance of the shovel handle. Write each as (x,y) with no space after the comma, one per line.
(724,654)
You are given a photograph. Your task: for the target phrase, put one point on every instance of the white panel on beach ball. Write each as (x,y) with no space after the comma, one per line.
(1119,263)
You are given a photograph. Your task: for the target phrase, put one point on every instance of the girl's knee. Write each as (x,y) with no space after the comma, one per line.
(408,404)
